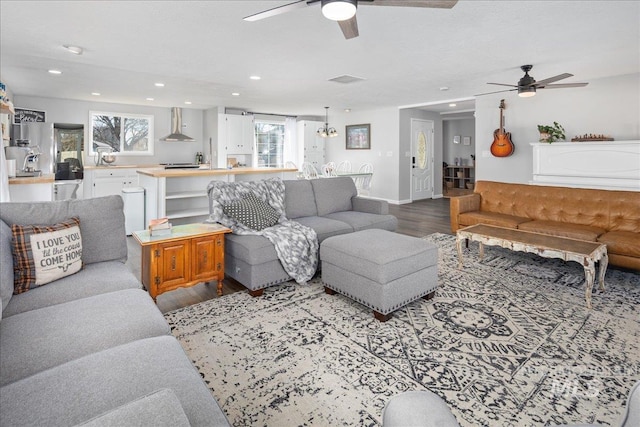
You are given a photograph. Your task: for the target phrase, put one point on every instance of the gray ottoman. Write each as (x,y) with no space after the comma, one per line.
(380,269)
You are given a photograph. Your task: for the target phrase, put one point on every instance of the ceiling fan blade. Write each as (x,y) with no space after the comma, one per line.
(562,85)
(550,80)
(349,28)
(502,84)
(279,10)
(499,91)
(440,4)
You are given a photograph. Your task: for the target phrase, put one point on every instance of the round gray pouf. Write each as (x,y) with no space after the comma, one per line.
(417,409)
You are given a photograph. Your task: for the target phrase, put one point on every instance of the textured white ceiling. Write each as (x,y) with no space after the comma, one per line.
(203,51)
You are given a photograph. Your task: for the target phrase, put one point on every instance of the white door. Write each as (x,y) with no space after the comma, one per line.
(421,159)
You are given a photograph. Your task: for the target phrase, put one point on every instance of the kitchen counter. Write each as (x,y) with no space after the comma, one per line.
(177,173)
(43,179)
(181,194)
(93,167)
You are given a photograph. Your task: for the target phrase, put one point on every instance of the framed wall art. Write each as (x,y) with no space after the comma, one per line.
(358,137)
(466,140)
(456,139)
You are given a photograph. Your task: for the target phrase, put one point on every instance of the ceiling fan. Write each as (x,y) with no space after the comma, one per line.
(344,11)
(527,85)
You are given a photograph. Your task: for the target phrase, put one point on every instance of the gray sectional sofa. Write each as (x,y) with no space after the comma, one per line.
(331,206)
(91,348)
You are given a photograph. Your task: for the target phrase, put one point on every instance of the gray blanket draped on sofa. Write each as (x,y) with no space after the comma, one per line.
(296,245)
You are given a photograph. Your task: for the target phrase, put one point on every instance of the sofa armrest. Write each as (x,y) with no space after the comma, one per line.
(374,206)
(462,204)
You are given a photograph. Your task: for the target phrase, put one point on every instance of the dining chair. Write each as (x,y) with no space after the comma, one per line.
(363,183)
(329,169)
(344,167)
(309,171)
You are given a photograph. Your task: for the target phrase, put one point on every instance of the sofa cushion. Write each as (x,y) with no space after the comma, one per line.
(621,242)
(563,229)
(362,221)
(333,194)
(325,227)
(221,193)
(101,223)
(490,218)
(159,409)
(41,339)
(93,279)
(252,212)
(6,261)
(84,388)
(44,253)
(299,199)
(253,250)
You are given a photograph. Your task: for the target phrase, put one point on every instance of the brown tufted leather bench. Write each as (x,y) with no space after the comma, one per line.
(606,216)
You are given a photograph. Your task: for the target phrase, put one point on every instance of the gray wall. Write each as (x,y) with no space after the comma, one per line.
(458,127)
(385,149)
(608,106)
(70,111)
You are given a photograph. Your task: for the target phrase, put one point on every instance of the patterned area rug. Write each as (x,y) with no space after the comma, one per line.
(506,342)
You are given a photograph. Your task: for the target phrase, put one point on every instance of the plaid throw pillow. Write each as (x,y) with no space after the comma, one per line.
(44,253)
(252,212)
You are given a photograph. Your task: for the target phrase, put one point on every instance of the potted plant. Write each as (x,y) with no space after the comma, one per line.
(551,133)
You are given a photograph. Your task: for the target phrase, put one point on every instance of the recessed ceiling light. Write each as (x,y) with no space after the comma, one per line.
(149,99)
(235,94)
(55,72)
(443,88)
(160,84)
(187,102)
(347,110)
(76,50)
(95,93)
(453,104)
(255,77)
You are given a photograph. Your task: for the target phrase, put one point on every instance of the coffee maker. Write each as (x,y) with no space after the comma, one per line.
(26,158)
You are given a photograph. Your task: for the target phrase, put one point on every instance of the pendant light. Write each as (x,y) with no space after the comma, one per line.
(326,131)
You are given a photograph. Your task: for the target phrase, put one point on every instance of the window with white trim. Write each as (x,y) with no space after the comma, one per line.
(269,143)
(126,134)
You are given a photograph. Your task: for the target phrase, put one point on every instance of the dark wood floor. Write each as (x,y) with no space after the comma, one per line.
(414,219)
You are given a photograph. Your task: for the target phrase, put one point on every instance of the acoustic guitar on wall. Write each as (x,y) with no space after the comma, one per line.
(501,145)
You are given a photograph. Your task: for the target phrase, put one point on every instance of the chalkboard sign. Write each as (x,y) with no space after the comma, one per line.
(26,115)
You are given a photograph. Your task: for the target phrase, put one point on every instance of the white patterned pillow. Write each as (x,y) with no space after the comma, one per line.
(252,212)
(44,253)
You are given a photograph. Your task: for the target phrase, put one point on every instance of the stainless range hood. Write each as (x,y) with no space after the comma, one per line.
(176,128)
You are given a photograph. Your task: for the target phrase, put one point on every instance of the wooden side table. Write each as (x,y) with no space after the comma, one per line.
(191,254)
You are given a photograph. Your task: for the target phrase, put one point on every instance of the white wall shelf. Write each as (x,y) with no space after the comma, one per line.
(185,194)
(608,165)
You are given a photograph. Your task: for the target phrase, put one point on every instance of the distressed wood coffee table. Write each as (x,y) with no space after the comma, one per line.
(586,253)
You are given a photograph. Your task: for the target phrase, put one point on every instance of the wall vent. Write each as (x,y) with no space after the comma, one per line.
(346,79)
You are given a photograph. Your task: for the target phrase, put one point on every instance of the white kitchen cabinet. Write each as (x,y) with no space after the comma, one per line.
(37,192)
(237,133)
(109,181)
(312,144)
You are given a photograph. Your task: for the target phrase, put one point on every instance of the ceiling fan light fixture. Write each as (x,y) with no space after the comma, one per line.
(339,10)
(526,92)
